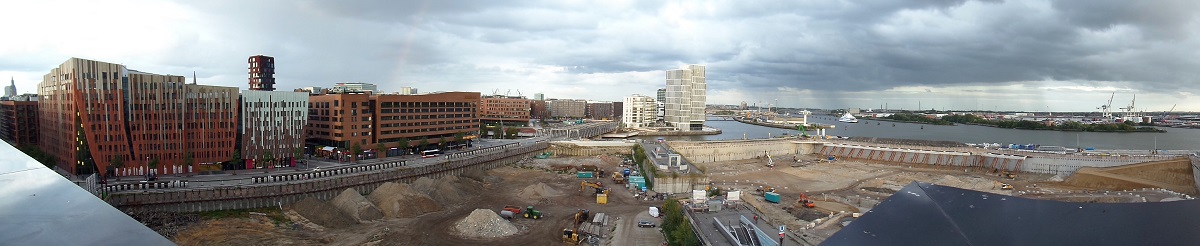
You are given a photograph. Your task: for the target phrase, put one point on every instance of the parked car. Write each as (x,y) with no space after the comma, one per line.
(645,223)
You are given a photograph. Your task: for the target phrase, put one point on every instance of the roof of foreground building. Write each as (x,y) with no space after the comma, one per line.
(927,214)
(40,207)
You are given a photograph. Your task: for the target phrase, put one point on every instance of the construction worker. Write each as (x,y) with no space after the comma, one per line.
(756,218)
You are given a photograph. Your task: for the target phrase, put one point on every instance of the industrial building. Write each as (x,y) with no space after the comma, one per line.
(350,87)
(93,114)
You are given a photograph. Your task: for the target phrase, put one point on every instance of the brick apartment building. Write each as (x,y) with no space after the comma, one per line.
(92,113)
(19,122)
(568,108)
(511,111)
(539,109)
(600,110)
(339,121)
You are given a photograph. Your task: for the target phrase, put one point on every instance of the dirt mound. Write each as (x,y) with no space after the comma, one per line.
(424,184)
(357,206)
(475,173)
(538,191)
(401,201)
(484,223)
(321,213)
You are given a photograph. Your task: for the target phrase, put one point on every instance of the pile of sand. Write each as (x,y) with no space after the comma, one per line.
(538,191)
(475,173)
(357,206)
(447,191)
(952,181)
(484,223)
(321,213)
(401,201)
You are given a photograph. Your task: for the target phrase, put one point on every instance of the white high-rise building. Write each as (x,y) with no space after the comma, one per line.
(408,91)
(638,111)
(686,94)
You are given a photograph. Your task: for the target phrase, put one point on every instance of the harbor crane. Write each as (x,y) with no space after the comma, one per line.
(1106,109)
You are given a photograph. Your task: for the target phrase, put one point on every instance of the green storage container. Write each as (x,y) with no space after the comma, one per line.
(772,197)
(585,175)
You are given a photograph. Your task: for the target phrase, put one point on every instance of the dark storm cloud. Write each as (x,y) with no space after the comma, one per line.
(838,46)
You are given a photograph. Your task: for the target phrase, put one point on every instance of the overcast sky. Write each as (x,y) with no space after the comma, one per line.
(1006,55)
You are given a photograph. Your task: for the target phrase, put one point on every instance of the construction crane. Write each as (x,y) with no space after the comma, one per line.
(770,161)
(1164,115)
(1129,110)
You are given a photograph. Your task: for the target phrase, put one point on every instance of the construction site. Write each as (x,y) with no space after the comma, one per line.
(814,196)
(538,201)
(600,200)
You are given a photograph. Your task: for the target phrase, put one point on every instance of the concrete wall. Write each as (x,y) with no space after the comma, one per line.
(1195,161)
(568,149)
(680,184)
(282,193)
(713,151)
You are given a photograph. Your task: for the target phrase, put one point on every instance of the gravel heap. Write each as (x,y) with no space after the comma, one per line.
(321,213)
(538,191)
(401,201)
(484,223)
(357,206)
(447,191)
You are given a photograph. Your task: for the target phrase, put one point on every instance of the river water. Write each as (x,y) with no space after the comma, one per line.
(1173,139)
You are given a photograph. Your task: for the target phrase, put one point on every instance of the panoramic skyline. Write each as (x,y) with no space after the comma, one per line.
(1002,55)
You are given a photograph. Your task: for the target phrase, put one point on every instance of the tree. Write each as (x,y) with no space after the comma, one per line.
(458,137)
(421,144)
(497,132)
(354,150)
(483,131)
(236,157)
(117,162)
(153,163)
(380,148)
(298,153)
(511,132)
(403,146)
(268,158)
(189,159)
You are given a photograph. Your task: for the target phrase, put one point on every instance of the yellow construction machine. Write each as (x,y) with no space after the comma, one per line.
(1003,186)
(571,234)
(585,184)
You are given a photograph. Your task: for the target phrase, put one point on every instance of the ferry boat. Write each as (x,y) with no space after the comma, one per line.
(847,118)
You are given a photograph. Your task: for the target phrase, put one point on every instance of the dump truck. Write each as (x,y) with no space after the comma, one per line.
(618,178)
(513,209)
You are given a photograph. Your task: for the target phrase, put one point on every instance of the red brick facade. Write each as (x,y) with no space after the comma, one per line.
(108,112)
(18,122)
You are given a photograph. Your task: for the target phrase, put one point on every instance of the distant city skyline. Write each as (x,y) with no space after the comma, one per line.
(1026,55)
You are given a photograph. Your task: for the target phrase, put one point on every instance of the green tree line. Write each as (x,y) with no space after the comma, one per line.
(1038,125)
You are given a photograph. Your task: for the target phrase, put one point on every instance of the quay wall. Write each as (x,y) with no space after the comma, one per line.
(924,156)
(714,151)
(281,193)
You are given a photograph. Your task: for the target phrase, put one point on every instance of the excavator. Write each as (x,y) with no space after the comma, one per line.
(805,202)
(585,184)
(1009,175)
(770,161)
(762,190)
(571,235)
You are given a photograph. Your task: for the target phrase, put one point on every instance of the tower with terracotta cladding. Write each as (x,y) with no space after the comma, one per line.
(262,73)
(93,112)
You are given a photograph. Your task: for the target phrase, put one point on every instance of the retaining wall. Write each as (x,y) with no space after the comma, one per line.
(286,192)
(1195,161)
(680,184)
(575,150)
(714,151)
